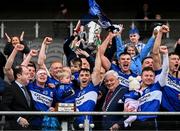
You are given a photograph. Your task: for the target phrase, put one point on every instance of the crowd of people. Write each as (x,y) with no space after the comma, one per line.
(95,78)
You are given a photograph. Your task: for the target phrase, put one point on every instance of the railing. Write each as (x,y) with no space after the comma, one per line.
(86,121)
(36,26)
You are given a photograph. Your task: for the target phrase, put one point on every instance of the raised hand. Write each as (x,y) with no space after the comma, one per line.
(163,49)
(22,36)
(47,40)
(19,47)
(82,52)
(156,30)
(164,29)
(111,35)
(8,38)
(77,28)
(34,52)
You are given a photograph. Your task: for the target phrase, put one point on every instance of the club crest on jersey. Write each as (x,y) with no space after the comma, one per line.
(51,94)
(45,92)
(147,90)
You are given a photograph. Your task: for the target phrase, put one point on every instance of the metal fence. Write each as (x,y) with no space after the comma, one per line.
(86,121)
(37,28)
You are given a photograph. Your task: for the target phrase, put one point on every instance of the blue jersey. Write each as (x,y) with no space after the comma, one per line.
(75,75)
(86,101)
(66,93)
(42,97)
(171,93)
(150,100)
(122,76)
(52,80)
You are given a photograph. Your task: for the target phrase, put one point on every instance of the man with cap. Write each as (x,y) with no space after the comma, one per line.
(134,38)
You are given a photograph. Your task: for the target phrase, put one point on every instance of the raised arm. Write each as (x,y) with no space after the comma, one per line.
(31,54)
(165,66)
(119,43)
(8,38)
(89,58)
(8,67)
(42,54)
(105,62)
(21,36)
(96,71)
(148,46)
(155,52)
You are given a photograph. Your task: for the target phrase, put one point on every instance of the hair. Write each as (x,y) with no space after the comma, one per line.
(32,64)
(55,61)
(133,46)
(63,74)
(146,58)
(85,70)
(112,72)
(148,69)
(172,53)
(76,61)
(17,70)
(124,53)
(15,37)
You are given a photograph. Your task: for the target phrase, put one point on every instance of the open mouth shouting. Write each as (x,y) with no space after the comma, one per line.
(176,67)
(125,66)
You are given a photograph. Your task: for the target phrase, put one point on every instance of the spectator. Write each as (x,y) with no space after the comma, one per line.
(136,55)
(159,21)
(145,13)
(134,38)
(11,42)
(62,12)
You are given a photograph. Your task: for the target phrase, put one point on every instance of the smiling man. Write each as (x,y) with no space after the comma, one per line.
(42,96)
